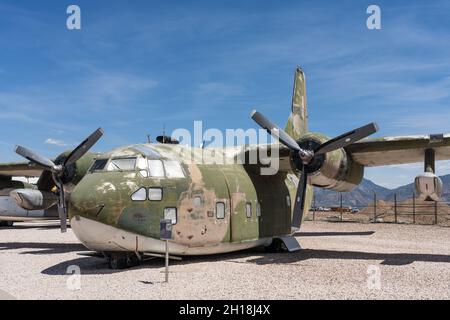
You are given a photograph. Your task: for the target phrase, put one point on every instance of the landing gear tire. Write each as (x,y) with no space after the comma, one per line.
(122,261)
(7,224)
(277,246)
(117,262)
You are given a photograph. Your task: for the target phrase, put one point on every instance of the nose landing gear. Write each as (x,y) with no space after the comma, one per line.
(121,260)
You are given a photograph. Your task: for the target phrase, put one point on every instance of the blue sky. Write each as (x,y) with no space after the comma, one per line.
(135,66)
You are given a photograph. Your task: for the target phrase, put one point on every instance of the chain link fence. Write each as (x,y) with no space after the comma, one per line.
(410,211)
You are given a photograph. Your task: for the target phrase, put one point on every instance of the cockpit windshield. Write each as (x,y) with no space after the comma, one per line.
(122,164)
(99,164)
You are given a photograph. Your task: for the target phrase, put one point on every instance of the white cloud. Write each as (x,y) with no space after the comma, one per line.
(56,142)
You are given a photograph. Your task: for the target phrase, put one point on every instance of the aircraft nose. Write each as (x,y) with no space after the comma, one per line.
(91,198)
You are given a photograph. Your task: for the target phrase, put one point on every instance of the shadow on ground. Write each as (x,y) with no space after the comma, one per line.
(30,226)
(42,247)
(92,264)
(391,259)
(95,265)
(332,234)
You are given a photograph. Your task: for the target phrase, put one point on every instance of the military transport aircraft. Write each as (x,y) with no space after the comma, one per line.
(115,200)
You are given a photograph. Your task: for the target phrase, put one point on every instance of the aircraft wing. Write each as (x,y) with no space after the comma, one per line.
(399,150)
(19,169)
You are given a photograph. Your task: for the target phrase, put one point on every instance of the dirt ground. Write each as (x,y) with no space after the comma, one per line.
(338,261)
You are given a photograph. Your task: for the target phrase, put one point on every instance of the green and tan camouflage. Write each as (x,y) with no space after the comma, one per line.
(106,198)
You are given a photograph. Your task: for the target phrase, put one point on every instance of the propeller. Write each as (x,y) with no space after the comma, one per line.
(57,170)
(307,156)
(347,138)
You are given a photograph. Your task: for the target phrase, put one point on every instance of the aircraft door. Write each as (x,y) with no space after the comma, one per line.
(243,204)
(204,210)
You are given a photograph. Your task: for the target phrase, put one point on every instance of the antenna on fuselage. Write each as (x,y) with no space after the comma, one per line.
(149,140)
(164,133)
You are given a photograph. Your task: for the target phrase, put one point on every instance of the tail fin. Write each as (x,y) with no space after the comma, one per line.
(297,124)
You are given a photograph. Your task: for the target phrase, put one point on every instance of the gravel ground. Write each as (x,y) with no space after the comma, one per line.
(339,261)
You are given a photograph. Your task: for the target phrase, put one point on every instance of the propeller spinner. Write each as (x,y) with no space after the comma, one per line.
(307,156)
(58,170)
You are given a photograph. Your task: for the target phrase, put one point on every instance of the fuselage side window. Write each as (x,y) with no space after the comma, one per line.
(173,169)
(122,164)
(155,194)
(171,214)
(155,168)
(139,195)
(220,210)
(198,201)
(248,209)
(258,209)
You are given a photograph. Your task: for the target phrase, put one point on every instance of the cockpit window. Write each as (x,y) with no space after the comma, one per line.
(173,169)
(155,168)
(122,164)
(98,165)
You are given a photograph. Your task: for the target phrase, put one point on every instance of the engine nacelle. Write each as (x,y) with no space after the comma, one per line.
(44,196)
(334,170)
(32,199)
(428,186)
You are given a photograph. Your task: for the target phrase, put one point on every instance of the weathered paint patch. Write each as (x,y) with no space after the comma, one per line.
(105,187)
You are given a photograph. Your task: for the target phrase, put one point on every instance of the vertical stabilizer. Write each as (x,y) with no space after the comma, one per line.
(297,124)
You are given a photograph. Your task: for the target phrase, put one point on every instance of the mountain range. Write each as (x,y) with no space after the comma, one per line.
(362,195)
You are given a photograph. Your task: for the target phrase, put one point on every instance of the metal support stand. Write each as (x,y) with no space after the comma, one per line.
(435,213)
(430,160)
(165,230)
(395,207)
(167,260)
(374,207)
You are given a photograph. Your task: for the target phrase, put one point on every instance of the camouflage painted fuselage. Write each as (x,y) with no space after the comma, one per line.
(105,218)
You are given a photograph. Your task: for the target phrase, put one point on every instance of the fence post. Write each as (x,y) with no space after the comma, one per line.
(341,205)
(435,213)
(314,207)
(395,207)
(414,208)
(374,207)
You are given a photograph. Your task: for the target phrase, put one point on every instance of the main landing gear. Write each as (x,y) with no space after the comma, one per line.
(283,244)
(277,246)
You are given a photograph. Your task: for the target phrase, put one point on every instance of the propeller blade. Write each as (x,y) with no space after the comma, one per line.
(275,131)
(62,210)
(80,151)
(299,200)
(34,157)
(347,138)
